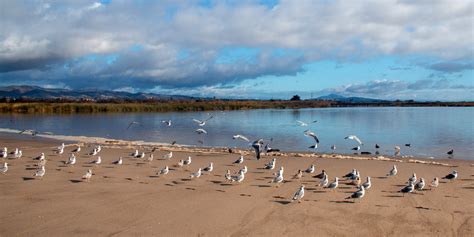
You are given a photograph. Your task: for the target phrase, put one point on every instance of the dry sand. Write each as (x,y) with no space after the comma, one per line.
(129,200)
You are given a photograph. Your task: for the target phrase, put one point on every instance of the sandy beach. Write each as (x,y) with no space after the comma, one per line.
(131,200)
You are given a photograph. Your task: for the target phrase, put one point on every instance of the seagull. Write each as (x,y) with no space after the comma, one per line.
(240,160)
(78,149)
(367,184)
(270,165)
(257,145)
(451,152)
(71,160)
(393,171)
(60,150)
(303,124)
(358,194)
(435,182)
(209,168)
(17,154)
(135,154)
(333,148)
(163,171)
(203,122)
(150,158)
(228,175)
(397,150)
(197,174)
(351,174)
(88,175)
(355,138)
(377,146)
(280,171)
(241,137)
(62,146)
(98,148)
(408,189)
(298,175)
(299,194)
(451,176)
(357,148)
(132,123)
(320,175)
(141,156)
(278,178)
(310,170)
(201,131)
(168,156)
(40,172)
(40,157)
(188,161)
(167,123)
(324,181)
(94,152)
(408,145)
(308,133)
(97,161)
(118,162)
(34,132)
(420,185)
(4,153)
(268,149)
(244,170)
(333,185)
(180,163)
(4,169)
(239,178)
(412,179)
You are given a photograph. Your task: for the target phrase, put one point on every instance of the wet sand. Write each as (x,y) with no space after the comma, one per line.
(130,200)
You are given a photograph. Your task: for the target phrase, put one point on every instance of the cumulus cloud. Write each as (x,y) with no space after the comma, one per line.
(74,42)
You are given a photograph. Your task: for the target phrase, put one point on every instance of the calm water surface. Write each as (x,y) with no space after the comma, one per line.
(431,131)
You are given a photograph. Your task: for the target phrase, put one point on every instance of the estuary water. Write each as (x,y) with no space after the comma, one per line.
(431,131)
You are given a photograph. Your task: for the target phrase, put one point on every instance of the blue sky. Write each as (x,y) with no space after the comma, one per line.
(243,49)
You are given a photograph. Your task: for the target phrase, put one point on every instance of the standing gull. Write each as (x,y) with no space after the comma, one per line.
(357,194)
(97,161)
(71,160)
(420,185)
(278,178)
(163,171)
(299,194)
(310,170)
(168,156)
(244,170)
(239,178)
(408,189)
(188,161)
(333,185)
(270,165)
(88,175)
(435,182)
(367,184)
(324,181)
(209,168)
(118,162)
(393,171)
(196,174)
(240,160)
(298,174)
(451,176)
(4,169)
(40,172)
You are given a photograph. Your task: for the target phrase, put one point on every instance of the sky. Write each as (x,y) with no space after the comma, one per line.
(256,49)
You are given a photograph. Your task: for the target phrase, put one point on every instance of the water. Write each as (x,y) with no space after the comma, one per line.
(431,131)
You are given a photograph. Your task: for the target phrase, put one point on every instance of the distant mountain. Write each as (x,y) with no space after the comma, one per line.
(39,93)
(340,98)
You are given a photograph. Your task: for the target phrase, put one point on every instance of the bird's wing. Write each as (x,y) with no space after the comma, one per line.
(197,121)
(209,118)
(358,140)
(301,123)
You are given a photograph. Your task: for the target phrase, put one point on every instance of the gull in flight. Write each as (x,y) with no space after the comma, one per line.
(71,160)
(201,131)
(451,176)
(393,171)
(450,152)
(303,124)
(420,185)
(168,156)
(40,172)
(34,132)
(357,194)
(298,195)
(209,168)
(298,175)
(258,145)
(97,161)
(270,165)
(163,171)
(355,138)
(435,182)
(367,184)
(166,122)
(88,175)
(118,162)
(308,133)
(132,123)
(197,174)
(241,137)
(240,160)
(4,169)
(203,122)
(310,170)
(239,178)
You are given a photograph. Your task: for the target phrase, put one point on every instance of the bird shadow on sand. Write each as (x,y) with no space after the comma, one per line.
(282,202)
(190,189)
(399,185)
(27,178)
(186,180)
(177,182)
(215,181)
(393,196)
(468,187)
(75,181)
(226,184)
(169,185)
(245,195)
(381,177)
(87,166)
(32,168)
(347,202)
(319,191)
(153,176)
(220,190)
(262,186)
(260,172)
(129,179)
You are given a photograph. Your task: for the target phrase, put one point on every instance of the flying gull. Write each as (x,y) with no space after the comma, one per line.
(308,133)
(132,123)
(201,131)
(355,138)
(203,122)
(258,145)
(241,137)
(166,122)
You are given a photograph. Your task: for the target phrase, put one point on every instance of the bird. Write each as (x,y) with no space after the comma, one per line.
(420,185)
(209,168)
(310,170)
(240,160)
(320,175)
(203,122)
(118,162)
(93,152)
(88,175)
(278,178)
(333,148)
(71,160)
(163,171)
(244,170)
(308,133)
(270,165)
(357,194)
(201,131)
(141,156)
(408,145)
(280,171)
(78,149)
(34,132)
(408,189)
(268,149)
(412,179)
(324,181)
(227,175)
(367,184)
(351,174)
(333,185)
(397,150)
(149,158)
(239,178)
(355,138)
(4,152)
(393,171)
(98,148)
(166,122)
(135,153)
(298,174)
(131,124)
(40,157)
(18,154)
(97,161)
(377,146)
(60,150)
(241,137)
(435,182)
(299,194)
(180,163)
(451,176)
(40,172)
(196,174)
(257,145)
(357,148)
(4,169)
(188,161)
(168,156)
(450,152)
(301,123)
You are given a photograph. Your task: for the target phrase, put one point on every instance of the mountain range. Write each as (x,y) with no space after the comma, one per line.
(340,98)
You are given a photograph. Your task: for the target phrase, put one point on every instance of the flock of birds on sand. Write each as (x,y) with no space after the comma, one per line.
(353,177)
